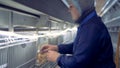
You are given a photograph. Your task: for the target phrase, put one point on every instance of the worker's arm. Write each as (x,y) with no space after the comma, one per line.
(86,50)
(65,48)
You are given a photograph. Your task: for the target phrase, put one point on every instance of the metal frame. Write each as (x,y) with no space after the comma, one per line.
(106,9)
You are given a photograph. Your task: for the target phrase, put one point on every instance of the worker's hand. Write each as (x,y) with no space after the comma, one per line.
(52,56)
(48,47)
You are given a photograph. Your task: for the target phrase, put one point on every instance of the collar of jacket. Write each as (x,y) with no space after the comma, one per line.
(84,18)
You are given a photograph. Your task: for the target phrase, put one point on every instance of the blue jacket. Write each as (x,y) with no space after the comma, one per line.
(92,47)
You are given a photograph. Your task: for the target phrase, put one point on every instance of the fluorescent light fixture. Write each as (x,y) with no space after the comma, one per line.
(5,33)
(55,34)
(66,3)
(10,39)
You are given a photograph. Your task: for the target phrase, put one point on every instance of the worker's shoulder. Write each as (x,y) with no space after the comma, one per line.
(96,23)
(95,26)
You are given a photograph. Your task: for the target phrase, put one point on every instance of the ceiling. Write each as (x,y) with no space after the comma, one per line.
(54,8)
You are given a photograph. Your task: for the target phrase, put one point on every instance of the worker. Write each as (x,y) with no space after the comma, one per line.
(92,47)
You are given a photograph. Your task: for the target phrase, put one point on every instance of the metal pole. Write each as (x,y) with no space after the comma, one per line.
(117,52)
(11,28)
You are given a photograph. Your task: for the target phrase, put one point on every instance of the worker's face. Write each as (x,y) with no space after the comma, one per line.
(74,12)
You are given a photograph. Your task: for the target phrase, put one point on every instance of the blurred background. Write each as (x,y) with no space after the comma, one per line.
(25,25)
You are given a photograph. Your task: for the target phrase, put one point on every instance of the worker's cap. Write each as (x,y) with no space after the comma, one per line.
(81,5)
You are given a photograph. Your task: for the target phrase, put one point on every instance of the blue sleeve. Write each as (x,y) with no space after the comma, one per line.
(65,48)
(85,51)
